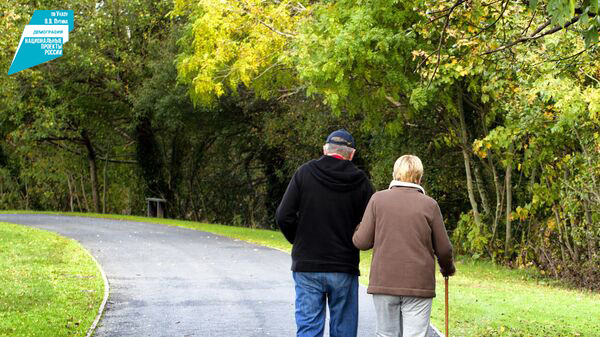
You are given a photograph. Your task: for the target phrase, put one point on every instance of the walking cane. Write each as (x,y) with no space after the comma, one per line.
(446,293)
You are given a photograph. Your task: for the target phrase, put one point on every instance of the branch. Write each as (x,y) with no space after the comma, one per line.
(63,147)
(563,58)
(123,133)
(53,141)
(540,28)
(445,9)
(495,21)
(117,161)
(247,12)
(590,76)
(393,101)
(70,139)
(491,3)
(273,29)
(424,60)
(266,70)
(439,49)
(529,24)
(291,93)
(534,36)
(436,18)
(473,104)
(300,6)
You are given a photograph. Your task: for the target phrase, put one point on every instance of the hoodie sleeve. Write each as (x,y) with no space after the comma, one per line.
(364,236)
(369,191)
(287,212)
(441,243)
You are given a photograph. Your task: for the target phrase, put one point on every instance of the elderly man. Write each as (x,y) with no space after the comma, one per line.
(321,207)
(406,230)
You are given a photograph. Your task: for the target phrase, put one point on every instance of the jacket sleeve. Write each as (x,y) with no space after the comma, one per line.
(364,236)
(287,212)
(441,243)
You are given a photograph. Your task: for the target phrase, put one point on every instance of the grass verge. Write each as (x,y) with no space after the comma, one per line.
(485,299)
(49,285)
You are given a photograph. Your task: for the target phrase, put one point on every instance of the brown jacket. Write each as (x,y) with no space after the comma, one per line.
(405,229)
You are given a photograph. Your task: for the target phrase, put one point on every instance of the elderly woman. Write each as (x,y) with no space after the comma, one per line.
(405,229)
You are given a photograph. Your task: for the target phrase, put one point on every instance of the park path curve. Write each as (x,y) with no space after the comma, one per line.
(171,281)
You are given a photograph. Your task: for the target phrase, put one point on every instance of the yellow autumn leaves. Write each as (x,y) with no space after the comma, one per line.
(235,43)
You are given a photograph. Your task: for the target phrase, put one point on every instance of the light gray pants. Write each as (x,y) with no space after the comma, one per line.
(402,316)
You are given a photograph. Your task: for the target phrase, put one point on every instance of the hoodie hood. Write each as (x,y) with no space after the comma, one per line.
(337,174)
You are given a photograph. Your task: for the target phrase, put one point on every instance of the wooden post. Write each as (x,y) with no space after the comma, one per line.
(159,210)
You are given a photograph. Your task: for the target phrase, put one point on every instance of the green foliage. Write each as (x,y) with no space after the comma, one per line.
(79,105)
(558,153)
(235,43)
(214,104)
(469,237)
(356,55)
(561,11)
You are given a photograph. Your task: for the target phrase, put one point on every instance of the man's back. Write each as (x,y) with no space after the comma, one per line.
(319,212)
(320,209)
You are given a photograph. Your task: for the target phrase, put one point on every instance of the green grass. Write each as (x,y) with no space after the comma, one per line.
(49,285)
(485,299)
(491,300)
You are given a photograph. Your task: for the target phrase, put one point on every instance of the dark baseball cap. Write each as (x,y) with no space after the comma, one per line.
(340,137)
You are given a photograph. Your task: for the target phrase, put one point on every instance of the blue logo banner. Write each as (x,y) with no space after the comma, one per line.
(42,39)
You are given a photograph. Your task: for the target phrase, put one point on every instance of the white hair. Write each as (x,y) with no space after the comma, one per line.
(408,168)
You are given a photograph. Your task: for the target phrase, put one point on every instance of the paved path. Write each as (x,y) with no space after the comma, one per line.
(170,281)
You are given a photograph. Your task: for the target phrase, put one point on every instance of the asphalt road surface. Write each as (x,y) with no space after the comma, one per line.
(170,281)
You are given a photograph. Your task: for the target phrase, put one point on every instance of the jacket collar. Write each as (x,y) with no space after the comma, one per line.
(398,183)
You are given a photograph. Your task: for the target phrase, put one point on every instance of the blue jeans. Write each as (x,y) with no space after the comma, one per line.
(314,291)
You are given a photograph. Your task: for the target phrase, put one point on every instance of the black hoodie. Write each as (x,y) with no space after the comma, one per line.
(320,209)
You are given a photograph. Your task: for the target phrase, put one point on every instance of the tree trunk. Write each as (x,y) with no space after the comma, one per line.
(93,170)
(548,259)
(481,189)
(276,185)
(85,199)
(70,193)
(573,249)
(560,234)
(565,234)
(588,159)
(254,197)
(508,182)
(467,156)
(150,160)
(75,194)
(591,242)
(104,187)
(499,187)
(26,197)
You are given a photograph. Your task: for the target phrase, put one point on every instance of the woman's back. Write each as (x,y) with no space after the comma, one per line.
(405,229)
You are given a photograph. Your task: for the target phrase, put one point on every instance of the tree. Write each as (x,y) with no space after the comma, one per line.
(238,43)
(79,102)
